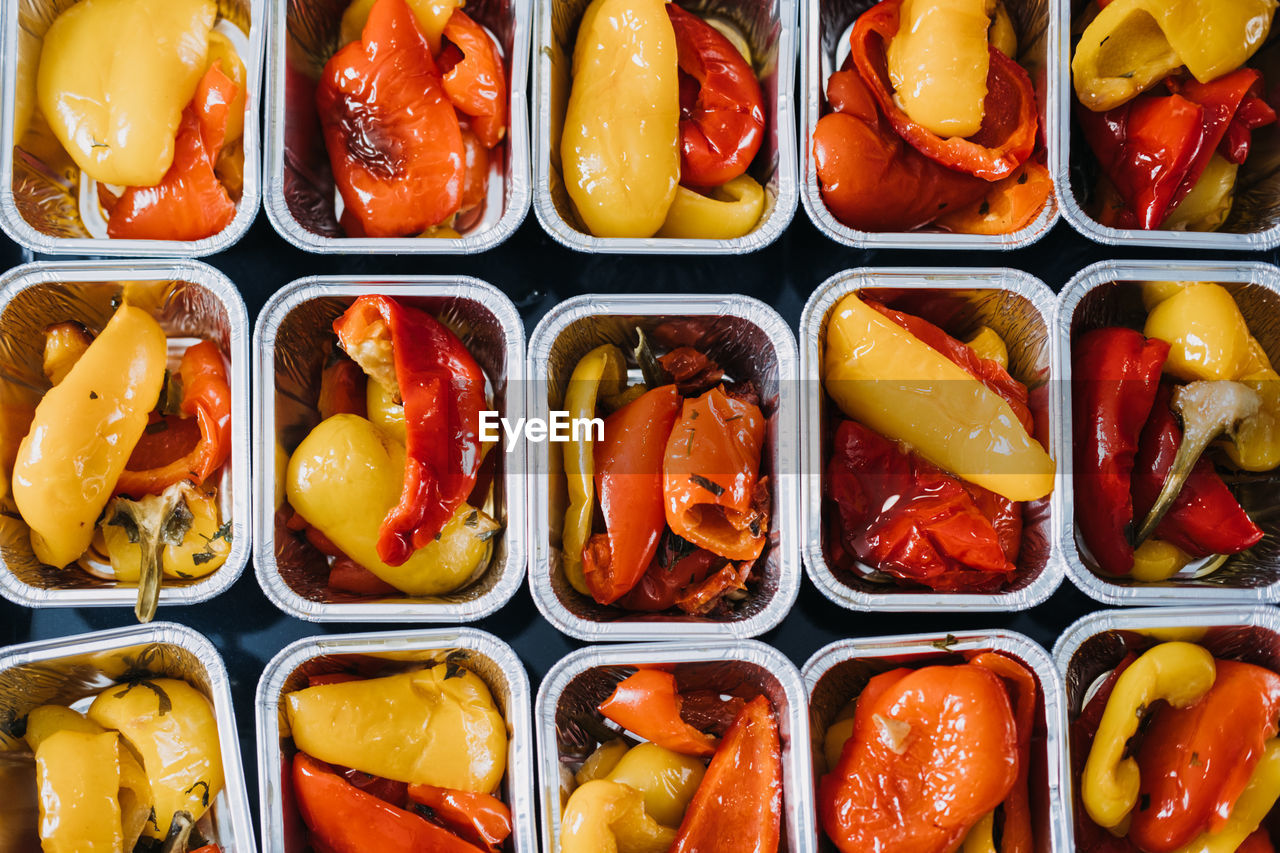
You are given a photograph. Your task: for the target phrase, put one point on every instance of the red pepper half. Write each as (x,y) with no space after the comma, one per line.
(628,465)
(1205,517)
(648,704)
(1008,133)
(1115,374)
(1194,762)
(737,807)
(206,396)
(721,108)
(189,203)
(393,137)
(443,392)
(477,85)
(1016,835)
(343,819)
(480,818)
(871,179)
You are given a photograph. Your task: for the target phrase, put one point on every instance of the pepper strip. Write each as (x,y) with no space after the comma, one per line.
(477,85)
(480,818)
(1016,836)
(1008,133)
(648,704)
(443,392)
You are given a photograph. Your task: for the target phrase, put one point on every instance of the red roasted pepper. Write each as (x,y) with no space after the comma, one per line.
(1115,374)
(189,203)
(1194,762)
(1016,836)
(721,108)
(480,818)
(443,392)
(648,704)
(1259,842)
(346,575)
(1205,517)
(206,396)
(1008,133)
(477,85)
(737,807)
(343,819)
(628,465)
(342,390)
(714,495)
(931,752)
(662,586)
(393,137)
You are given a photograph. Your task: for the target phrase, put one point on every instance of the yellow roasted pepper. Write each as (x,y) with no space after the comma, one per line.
(344,478)
(436,726)
(621,160)
(171,725)
(1177,672)
(384,411)
(987,343)
(1208,204)
(1250,809)
(938,63)
(114,78)
(202,543)
(666,779)
(601,373)
(601,761)
(431,15)
(78,780)
(1156,560)
(609,817)
(223,52)
(64,344)
(1133,44)
(834,740)
(981,839)
(1002,35)
(730,210)
(887,379)
(84,429)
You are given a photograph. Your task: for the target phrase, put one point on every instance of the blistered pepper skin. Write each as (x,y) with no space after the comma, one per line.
(436,726)
(620,151)
(83,432)
(114,78)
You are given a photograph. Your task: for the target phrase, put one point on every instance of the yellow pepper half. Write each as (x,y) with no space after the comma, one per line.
(344,478)
(1178,672)
(987,343)
(436,726)
(171,725)
(938,63)
(431,15)
(1133,44)
(1250,809)
(601,373)
(666,779)
(78,780)
(609,817)
(114,78)
(620,152)
(83,432)
(884,377)
(731,210)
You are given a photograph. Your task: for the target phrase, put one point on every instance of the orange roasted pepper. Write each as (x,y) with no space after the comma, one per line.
(477,84)
(648,704)
(479,818)
(1016,836)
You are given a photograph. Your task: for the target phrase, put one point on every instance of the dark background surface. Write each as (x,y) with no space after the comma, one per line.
(536,273)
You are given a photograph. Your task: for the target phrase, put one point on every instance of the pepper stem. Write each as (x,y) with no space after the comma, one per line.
(152,523)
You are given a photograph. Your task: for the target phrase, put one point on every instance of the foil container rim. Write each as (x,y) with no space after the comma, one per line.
(541,343)
(812,319)
(826,222)
(785,204)
(799,805)
(519,714)
(16,226)
(1093,276)
(266,571)
(517,176)
(191,640)
(105,272)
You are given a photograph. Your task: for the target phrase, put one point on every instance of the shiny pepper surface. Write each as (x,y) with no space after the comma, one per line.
(115,77)
(78,780)
(436,726)
(620,153)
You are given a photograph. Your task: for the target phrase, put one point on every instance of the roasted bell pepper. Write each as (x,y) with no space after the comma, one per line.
(480,818)
(1115,377)
(393,137)
(711,476)
(603,815)
(648,704)
(171,725)
(1207,335)
(664,583)
(726,212)
(619,152)
(189,202)
(1177,672)
(437,726)
(1010,205)
(115,77)
(1194,762)
(477,85)
(1008,131)
(1251,808)
(738,806)
(721,108)
(667,779)
(442,387)
(628,470)
(1259,842)
(344,819)
(602,760)
(83,432)
(344,390)
(932,751)
(897,385)
(1205,518)
(206,396)
(432,17)
(78,782)
(1016,835)
(64,344)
